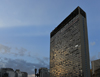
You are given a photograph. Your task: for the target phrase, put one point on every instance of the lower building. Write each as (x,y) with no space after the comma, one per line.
(18,73)
(44,72)
(96,68)
(7,72)
(97,73)
(24,74)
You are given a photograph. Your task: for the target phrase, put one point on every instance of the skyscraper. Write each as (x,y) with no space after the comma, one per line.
(69,53)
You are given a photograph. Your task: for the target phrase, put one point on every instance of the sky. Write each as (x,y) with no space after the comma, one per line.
(25,27)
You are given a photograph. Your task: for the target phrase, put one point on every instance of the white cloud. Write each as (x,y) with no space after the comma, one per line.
(4,49)
(21,51)
(92,43)
(93,58)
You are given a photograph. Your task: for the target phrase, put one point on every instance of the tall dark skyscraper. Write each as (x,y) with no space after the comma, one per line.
(69,53)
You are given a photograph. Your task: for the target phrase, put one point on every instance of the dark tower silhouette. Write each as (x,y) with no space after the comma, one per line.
(37,74)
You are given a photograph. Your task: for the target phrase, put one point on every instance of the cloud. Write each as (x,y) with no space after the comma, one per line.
(29,54)
(23,65)
(20,64)
(92,43)
(21,51)
(2,64)
(93,58)
(99,55)
(42,62)
(46,58)
(4,49)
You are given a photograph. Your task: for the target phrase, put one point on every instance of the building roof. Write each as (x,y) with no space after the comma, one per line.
(77,11)
(96,60)
(6,69)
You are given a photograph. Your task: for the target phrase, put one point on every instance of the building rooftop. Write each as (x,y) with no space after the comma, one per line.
(6,69)
(77,11)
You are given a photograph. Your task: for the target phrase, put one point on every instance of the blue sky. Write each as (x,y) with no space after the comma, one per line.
(25,27)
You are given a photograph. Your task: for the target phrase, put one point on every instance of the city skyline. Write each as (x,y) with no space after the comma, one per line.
(25,28)
(9,72)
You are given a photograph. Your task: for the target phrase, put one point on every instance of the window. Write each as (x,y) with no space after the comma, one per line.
(76,45)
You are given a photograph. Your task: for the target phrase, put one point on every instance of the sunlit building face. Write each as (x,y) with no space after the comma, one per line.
(69,55)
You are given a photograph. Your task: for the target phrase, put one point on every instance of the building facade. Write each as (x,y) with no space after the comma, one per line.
(69,53)
(18,73)
(95,65)
(7,72)
(44,72)
(24,74)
